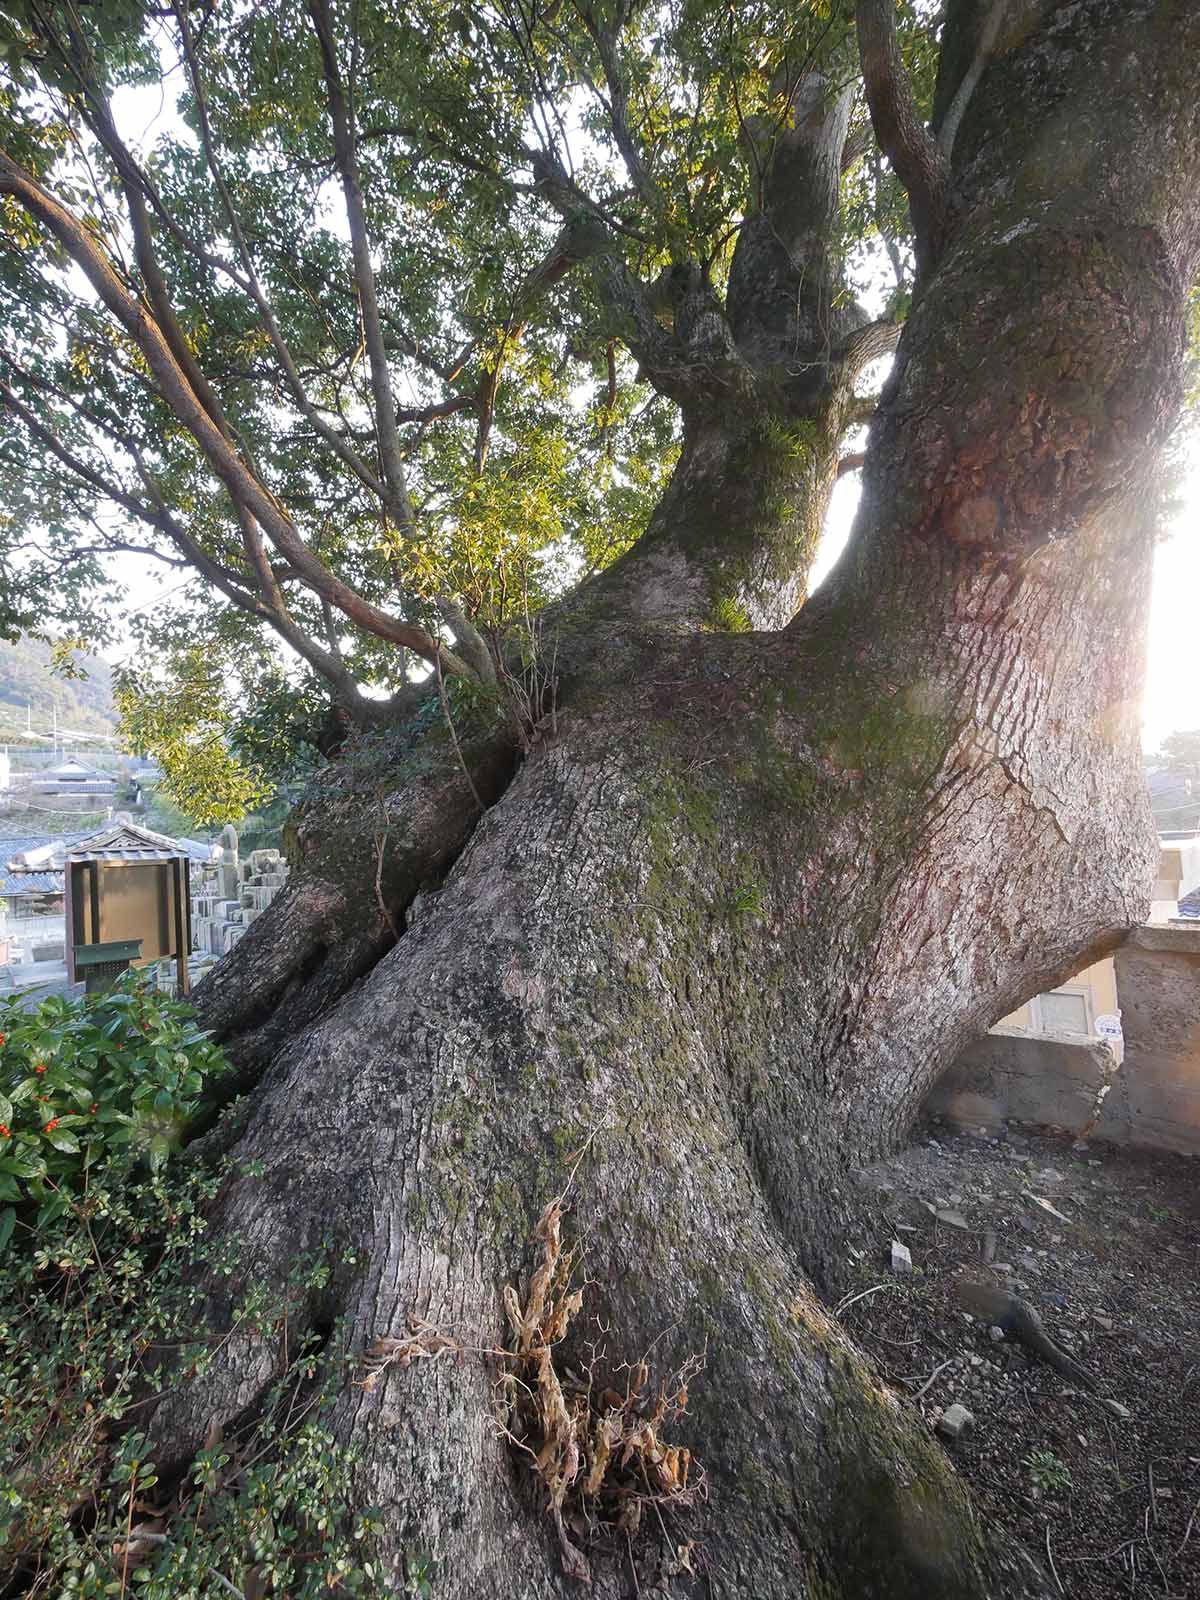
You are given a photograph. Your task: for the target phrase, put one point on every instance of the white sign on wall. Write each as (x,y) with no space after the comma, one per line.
(1108,1026)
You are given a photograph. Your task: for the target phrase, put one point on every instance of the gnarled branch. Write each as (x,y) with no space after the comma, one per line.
(914,155)
(868,343)
(244,488)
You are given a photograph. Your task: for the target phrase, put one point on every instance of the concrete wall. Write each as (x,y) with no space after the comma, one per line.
(1096,986)
(1057,1079)
(31,936)
(1156,1099)
(1151,1099)
(1178,875)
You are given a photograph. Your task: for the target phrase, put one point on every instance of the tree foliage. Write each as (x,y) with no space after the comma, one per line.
(422,272)
(1180,752)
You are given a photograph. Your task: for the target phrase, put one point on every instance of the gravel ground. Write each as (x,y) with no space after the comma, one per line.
(1105,1487)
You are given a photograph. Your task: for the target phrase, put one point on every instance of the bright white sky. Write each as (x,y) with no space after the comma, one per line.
(1173,683)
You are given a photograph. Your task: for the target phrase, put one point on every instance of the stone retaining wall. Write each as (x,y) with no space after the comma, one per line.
(1064,1080)
(1156,1100)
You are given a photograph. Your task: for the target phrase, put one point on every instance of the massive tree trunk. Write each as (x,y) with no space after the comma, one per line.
(726,919)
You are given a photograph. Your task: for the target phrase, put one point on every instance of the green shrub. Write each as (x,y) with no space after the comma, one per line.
(112,1079)
(1050,1473)
(85,1301)
(102,1291)
(101,1313)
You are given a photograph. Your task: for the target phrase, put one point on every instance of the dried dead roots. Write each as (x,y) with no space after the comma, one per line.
(600,1453)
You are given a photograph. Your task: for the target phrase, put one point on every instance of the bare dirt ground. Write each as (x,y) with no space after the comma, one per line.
(1111,1503)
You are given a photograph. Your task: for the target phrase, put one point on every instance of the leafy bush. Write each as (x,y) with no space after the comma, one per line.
(98,1317)
(112,1079)
(102,1288)
(84,1301)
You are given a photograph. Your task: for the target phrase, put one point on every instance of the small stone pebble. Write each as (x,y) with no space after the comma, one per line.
(954,1421)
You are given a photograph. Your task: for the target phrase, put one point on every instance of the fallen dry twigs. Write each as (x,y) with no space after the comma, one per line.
(600,1454)
(425,1342)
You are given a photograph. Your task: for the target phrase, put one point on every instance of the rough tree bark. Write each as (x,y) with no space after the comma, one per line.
(725,925)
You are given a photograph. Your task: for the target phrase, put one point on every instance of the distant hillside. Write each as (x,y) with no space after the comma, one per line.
(84,704)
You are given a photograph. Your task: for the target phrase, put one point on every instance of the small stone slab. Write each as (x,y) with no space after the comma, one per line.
(953,1219)
(955,1421)
(901,1257)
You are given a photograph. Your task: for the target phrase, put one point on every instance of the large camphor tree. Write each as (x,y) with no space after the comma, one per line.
(503,359)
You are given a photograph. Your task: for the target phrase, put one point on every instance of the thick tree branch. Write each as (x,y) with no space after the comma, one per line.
(858,141)
(786,275)
(77,56)
(327,662)
(439,409)
(915,157)
(471,644)
(244,488)
(391,454)
(147,258)
(867,344)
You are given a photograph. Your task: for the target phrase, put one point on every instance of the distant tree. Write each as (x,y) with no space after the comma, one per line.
(1177,804)
(1180,752)
(500,362)
(32,681)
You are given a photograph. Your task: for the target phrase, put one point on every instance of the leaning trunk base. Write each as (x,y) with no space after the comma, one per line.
(600,1004)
